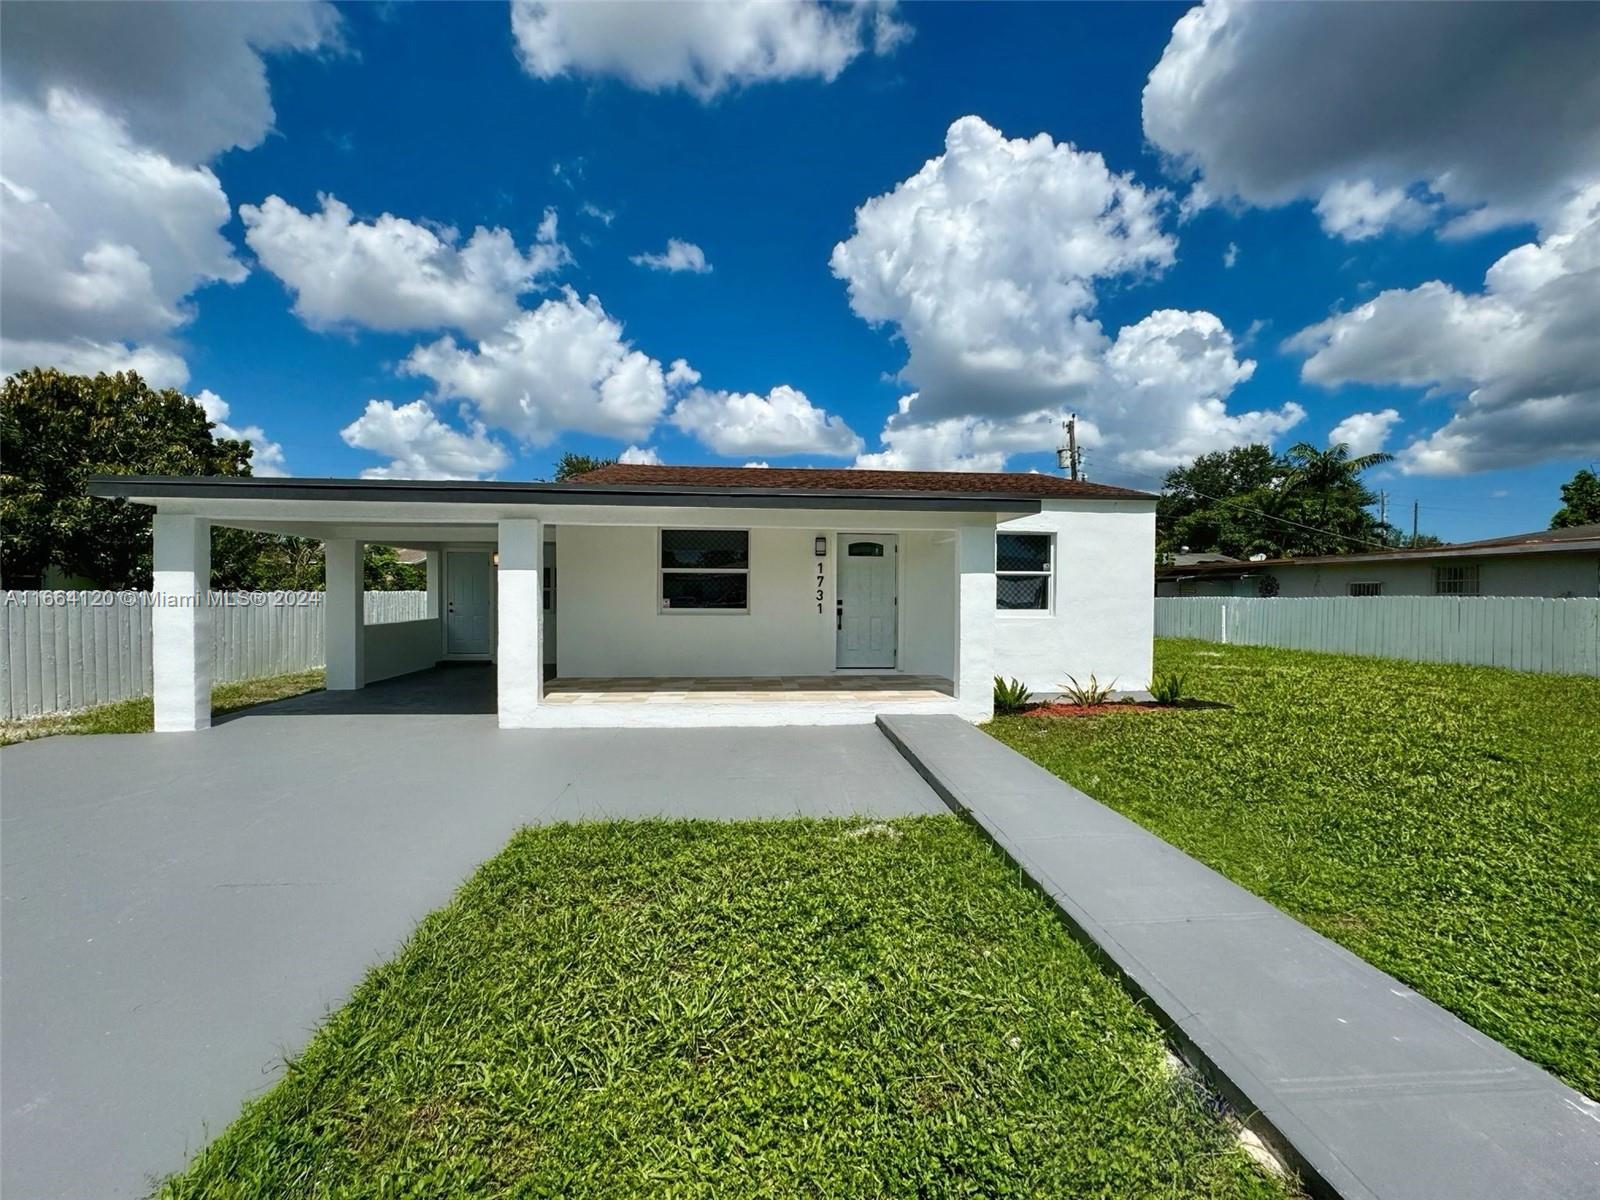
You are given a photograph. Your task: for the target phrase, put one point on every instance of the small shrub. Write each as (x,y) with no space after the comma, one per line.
(1168,687)
(1086,694)
(1010,697)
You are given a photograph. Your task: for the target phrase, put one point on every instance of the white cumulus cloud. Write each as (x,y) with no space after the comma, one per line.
(109,219)
(562,366)
(987,262)
(395,274)
(1494,109)
(782,422)
(1523,353)
(1365,432)
(678,256)
(188,80)
(640,456)
(421,446)
(704,47)
(266,455)
(103,239)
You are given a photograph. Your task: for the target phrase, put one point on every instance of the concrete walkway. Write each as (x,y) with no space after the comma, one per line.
(1377,1092)
(180,910)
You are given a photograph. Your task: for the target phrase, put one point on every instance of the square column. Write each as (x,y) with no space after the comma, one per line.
(344,615)
(975,620)
(180,623)
(520,654)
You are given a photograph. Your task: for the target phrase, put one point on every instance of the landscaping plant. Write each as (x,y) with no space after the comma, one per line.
(1443,822)
(1088,694)
(1010,697)
(1167,687)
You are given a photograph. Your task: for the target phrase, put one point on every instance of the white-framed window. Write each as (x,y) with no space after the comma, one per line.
(704,570)
(1024,577)
(1455,579)
(1367,588)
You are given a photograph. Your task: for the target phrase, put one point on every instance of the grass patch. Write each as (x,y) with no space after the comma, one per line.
(138,715)
(1442,822)
(799,1008)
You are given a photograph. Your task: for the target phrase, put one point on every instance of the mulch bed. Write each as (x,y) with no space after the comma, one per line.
(1089,710)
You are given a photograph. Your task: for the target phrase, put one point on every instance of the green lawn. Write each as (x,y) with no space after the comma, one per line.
(138,716)
(1442,822)
(801,1008)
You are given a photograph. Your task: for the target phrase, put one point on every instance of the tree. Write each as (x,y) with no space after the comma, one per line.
(1580,501)
(570,464)
(382,571)
(1222,503)
(1331,499)
(59,429)
(1247,501)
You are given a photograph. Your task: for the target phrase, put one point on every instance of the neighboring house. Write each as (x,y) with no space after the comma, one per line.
(775,596)
(1551,562)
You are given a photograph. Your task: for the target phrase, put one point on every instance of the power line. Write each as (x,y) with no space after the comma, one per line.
(1350,537)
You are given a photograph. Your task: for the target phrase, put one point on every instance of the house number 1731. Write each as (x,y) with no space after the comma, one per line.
(819,587)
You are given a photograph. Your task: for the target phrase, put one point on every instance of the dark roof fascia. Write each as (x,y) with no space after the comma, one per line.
(167,487)
(1473,550)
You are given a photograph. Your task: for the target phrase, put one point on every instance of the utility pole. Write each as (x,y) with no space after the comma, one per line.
(1414,505)
(1067,456)
(1383,511)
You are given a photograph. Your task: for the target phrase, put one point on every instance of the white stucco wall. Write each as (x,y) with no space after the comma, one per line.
(1507,575)
(1103,618)
(611,623)
(401,647)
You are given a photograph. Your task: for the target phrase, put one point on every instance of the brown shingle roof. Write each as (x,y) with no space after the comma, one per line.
(978,483)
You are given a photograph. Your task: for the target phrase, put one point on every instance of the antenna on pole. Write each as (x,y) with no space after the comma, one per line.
(1067,457)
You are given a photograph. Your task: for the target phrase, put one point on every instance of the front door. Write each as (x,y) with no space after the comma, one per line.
(866,600)
(469,580)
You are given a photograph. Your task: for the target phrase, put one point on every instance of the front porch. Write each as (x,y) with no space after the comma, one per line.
(593,616)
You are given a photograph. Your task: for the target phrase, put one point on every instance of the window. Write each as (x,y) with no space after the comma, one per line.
(865,550)
(1366,589)
(1455,579)
(1022,571)
(549,588)
(705,570)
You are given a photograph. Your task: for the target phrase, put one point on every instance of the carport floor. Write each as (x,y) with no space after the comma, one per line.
(180,910)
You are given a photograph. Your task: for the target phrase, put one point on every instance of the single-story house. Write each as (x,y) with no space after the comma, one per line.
(654,595)
(1549,562)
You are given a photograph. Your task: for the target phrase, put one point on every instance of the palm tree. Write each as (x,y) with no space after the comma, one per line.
(1327,486)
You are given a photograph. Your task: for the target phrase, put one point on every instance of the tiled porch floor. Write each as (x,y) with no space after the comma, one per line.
(735,689)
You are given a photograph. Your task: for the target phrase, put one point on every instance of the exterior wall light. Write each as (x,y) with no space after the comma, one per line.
(821,547)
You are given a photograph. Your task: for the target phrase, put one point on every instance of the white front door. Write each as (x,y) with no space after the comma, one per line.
(469,580)
(866,600)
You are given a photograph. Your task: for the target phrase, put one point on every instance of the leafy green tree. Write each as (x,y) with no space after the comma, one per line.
(1248,500)
(570,464)
(1223,503)
(383,571)
(57,430)
(1580,501)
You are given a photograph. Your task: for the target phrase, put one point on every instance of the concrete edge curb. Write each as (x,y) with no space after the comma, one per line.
(1235,1082)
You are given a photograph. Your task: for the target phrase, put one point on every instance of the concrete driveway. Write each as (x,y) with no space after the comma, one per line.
(180,910)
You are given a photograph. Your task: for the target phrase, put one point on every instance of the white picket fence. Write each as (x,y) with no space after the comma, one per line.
(66,650)
(1523,633)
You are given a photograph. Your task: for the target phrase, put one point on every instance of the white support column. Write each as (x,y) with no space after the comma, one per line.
(180,623)
(975,603)
(344,616)
(520,658)
(435,572)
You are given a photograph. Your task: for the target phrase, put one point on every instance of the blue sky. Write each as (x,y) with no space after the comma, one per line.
(1193,230)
